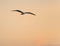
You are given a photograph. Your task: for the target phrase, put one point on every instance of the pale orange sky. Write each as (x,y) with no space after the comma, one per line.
(17,30)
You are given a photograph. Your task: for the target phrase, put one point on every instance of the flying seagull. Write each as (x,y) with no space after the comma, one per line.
(22,13)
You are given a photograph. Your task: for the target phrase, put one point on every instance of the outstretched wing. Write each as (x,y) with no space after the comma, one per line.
(29,13)
(18,11)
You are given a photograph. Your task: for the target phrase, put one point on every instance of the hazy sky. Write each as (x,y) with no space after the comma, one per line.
(28,30)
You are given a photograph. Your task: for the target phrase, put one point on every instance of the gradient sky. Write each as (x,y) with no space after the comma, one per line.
(28,30)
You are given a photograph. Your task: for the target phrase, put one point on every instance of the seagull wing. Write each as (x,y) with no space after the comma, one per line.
(29,13)
(18,11)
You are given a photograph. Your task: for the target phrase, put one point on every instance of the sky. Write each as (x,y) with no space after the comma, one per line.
(40,30)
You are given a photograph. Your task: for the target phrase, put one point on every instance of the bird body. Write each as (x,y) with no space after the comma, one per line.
(22,13)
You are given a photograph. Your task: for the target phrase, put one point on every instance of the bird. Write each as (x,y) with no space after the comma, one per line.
(22,13)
